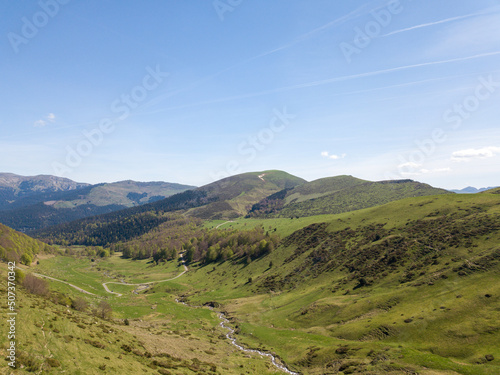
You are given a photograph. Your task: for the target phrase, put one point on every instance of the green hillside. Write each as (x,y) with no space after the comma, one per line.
(63,331)
(338,194)
(407,287)
(493,191)
(15,246)
(228,198)
(322,186)
(236,194)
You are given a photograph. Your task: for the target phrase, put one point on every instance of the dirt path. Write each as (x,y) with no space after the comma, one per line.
(230,221)
(64,282)
(145,285)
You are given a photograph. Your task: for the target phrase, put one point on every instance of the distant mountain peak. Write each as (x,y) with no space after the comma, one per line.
(472,190)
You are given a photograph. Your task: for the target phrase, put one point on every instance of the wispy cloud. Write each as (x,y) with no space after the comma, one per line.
(327,155)
(44,121)
(476,34)
(475,153)
(358,12)
(446,20)
(321,82)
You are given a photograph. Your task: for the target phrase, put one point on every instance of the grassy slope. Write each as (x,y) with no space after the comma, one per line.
(493,191)
(316,321)
(360,196)
(236,194)
(320,187)
(13,242)
(452,325)
(180,339)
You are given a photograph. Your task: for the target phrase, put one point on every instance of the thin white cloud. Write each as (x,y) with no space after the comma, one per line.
(327,155)
(43,122)
(475,153)
(319,83)
(446,20)
(358,12)
(476,34)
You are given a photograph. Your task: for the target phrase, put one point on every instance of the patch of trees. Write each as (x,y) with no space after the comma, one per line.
(15,246)
(37,216)
(220,245)
(88,251)
(269,205)
(198,244)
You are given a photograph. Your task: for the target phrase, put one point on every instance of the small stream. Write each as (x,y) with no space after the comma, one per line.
(230,336)
(224,323)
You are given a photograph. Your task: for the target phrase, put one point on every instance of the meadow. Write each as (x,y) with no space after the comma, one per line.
(431,310)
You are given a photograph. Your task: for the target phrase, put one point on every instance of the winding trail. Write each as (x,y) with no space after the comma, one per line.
(112,282)
(64,282)
(230,221)
(143,285)
(224,322)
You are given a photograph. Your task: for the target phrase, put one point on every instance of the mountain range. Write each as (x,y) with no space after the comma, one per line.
(256,194)
(34,203)
(472,190)
(337,275)
(30,203)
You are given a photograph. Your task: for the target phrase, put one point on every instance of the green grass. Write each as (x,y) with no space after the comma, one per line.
(46,330)
(449,325)
(440,321)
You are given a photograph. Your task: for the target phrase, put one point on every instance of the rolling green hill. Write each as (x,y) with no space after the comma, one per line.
(225,199)
(236,194)
(493,191)
(15,246)
(338,194)
(406,287)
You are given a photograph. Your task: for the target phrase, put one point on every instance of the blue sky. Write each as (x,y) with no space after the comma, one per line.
(192,91)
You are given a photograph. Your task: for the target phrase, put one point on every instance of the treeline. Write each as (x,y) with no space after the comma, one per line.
(199,244)
(89,251)
(123,225)
(102,233)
